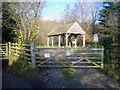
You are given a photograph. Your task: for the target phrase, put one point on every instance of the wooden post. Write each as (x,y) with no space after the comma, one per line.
(102,57)
(52,42)
(83,40)
(6,49)
(75,40)
(69,41)
(48,41)
(59,40)
(33,54)
(16,48)
(63,40)
(66,40)
(9,49)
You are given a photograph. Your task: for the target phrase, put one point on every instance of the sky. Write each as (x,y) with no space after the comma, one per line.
(55,10)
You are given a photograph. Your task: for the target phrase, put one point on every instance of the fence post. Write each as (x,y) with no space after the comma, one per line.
(102,57)
(9,49)
(6,49)
(16,48)
(33,54)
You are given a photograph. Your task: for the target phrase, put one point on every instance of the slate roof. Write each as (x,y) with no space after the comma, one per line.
(74,28)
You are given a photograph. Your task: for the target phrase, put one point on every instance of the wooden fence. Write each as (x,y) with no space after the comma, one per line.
(4,50)
(14,49)
(18,50)
(33,54)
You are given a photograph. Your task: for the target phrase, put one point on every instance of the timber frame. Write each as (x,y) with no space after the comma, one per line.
(66,32)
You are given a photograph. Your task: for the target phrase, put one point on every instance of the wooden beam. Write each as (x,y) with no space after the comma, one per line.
(88,53)
(33,55)
(69,66)
(59,40)
(66,40)
(6,49)
(83,57)
(75,42)
(48,41)
(52,41)
(102,56)
(83,40)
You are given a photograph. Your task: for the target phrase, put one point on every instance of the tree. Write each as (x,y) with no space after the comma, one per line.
(87,14)
(67,16)
(8,22)
(118,31)
(27,20)
(109,20)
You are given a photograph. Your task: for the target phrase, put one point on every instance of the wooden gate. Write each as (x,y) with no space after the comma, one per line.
(67,57)
(87,57)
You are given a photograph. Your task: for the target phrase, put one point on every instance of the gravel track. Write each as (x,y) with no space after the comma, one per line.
(54,78)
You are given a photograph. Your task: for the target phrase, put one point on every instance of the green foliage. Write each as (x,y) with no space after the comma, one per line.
(112,72)
(19,64)
(39,46)
(107,42)
(22,66)
(28,70)
(8,22)
(69,72)
(112,62)
(109,21)
(12,58)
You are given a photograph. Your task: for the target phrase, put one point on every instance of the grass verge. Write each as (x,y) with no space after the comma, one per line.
(111,72)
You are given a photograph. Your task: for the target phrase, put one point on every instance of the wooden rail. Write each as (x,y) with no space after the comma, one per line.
(37,60)
(92,56)
(20,50)
(4,50)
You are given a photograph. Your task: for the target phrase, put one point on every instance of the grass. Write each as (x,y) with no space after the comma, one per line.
(20,66)
(39,46)
(111,72)
(47,46)
(69,72)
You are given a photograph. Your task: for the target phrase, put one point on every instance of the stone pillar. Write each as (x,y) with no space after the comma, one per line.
(52,41)
(59,40)
(48,41)
(83,40)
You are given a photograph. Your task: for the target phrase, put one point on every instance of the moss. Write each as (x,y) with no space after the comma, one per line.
(69,72)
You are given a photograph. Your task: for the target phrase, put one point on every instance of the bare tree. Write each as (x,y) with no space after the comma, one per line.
(87,13)
(27,18)
(67,16)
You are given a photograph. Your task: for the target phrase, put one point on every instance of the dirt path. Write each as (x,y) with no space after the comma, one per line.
(55,78)
(84,78)
(9,80)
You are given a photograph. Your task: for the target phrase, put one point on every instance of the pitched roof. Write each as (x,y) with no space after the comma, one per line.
(68,28)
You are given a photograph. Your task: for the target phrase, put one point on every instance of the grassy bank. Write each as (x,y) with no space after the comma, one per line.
(112,72)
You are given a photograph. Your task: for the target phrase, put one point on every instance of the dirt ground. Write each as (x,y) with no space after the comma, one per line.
(54,78)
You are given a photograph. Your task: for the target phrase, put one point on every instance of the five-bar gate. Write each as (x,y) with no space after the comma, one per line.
(59,57)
